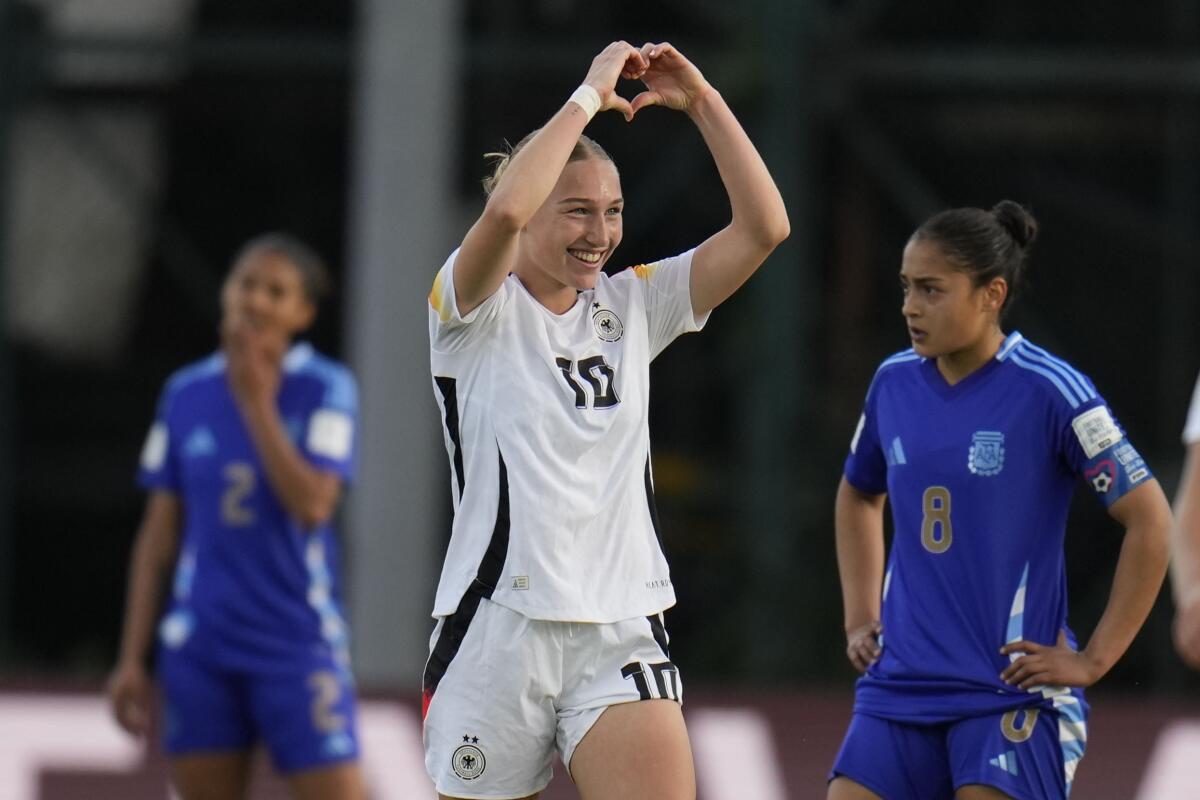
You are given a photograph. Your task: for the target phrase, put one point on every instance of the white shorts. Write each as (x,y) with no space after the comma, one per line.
(502,692)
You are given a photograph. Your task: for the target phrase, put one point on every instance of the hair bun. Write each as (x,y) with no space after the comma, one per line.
(1019,223)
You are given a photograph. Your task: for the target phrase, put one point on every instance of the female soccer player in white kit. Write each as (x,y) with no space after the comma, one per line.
(549,627)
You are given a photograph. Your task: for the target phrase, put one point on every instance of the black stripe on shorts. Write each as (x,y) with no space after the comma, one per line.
(454,629)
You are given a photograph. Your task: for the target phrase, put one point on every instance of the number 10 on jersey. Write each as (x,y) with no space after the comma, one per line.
(599,376)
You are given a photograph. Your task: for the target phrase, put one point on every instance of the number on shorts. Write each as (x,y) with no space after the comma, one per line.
(1008,725)
(599,375)
(240,477)
(936,531)
(328,690)
(666,679)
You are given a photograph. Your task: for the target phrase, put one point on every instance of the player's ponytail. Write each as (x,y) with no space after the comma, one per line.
(985,244)
(584,149)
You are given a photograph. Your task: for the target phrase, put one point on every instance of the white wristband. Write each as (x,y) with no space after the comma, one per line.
(586,98)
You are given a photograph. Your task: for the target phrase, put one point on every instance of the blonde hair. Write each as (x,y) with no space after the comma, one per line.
(584,149)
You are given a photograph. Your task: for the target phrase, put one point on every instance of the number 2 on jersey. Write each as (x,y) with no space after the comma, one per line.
(936,531)
(599,375)
(240,477)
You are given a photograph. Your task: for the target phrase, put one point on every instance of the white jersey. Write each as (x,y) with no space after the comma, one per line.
(1191,430)
(546,425)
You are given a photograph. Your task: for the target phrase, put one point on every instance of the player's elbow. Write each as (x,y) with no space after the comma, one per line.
(315,513)
(768,232)
(317,508)
(316,505)
(777,229)
(503,215)
(1151,529)
(1160,538)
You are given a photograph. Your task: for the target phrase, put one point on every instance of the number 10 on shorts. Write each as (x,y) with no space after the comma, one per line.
(663,676)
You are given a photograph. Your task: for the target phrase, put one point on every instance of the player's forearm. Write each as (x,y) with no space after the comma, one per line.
(860,565)
(305,492)
(489,247)
(531,175)
(759,214)
(1185,533)
(858,524)
(728,258)
(1136,584)
(150,566)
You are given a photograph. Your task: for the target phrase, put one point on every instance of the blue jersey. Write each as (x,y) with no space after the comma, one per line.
(979,476)
(253,587)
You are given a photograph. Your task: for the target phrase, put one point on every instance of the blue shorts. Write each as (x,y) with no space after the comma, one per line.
(305,716)
(1030,754)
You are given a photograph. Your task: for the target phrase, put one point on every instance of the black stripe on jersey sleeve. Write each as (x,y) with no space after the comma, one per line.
(449,389)
(653,508)
(492,565)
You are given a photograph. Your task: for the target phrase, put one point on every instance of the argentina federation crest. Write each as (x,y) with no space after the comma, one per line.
(986,455)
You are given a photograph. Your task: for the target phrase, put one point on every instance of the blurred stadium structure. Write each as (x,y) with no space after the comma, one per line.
(142,140)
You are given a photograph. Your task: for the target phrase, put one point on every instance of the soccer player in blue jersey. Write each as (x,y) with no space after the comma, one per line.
(244,466)
(972,680)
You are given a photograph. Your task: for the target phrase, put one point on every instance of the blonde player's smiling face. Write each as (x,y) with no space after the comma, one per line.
(564,247)
(945,313)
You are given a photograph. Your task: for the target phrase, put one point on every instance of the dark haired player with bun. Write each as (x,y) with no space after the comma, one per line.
(972,681)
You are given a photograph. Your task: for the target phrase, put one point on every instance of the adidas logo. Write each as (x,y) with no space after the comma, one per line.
(895,453)
(1005,761)
(200,443)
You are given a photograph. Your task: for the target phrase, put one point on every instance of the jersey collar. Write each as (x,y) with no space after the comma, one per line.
(947,391)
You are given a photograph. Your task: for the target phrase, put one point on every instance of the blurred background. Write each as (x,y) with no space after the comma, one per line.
(141,141)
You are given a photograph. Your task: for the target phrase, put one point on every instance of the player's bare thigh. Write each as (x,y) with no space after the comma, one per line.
(211,776)
(339,782)
(846,789)
(636,751)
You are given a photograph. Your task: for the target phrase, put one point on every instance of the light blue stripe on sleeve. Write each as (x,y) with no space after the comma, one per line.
(1018,359)
(1076,381)
(1079,376)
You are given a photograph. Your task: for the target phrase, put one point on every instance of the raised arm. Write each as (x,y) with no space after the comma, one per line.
(155,549)
(1185,563)
(255,366)
(858,526)
(760,222)
(490,246)
(1141,567)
